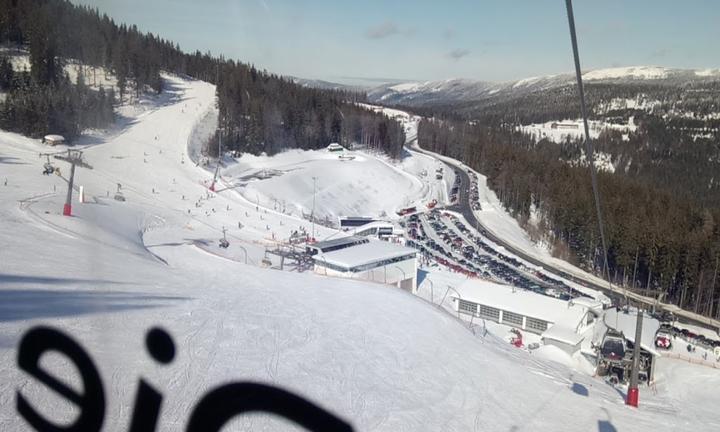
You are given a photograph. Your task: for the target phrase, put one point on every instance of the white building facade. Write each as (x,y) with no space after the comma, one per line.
(564,324)
(374,261)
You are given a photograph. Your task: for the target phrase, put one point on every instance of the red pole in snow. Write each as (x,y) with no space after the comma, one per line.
(633,395)
(67,208)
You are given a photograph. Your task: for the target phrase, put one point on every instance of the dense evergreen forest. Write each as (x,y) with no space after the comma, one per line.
(663,98)
(663,232)
(259,111)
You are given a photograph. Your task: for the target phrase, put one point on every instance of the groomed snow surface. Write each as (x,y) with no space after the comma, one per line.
(379,357)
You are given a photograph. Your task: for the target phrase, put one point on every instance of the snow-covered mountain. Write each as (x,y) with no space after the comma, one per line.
(323,84)
(462,90)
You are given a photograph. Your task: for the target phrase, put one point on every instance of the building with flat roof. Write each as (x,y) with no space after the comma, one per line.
(379,229)
(334,244)
(376,261)
(53,139)
(335,147)
(347,222)
(560,323)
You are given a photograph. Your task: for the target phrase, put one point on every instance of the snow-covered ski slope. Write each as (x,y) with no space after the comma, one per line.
(377,356)
(361,184)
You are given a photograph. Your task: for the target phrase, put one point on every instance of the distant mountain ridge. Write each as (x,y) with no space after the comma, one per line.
(464,90)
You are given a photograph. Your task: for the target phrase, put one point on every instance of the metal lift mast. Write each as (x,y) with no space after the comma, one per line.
(74,158)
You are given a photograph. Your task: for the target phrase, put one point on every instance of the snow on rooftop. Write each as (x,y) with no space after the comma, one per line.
(590,303)
(625,323)
(371,225)
(336,242)
(365,253)
(563,333)
(520,301)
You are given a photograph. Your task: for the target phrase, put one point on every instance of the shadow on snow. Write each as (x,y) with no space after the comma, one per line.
(25,304)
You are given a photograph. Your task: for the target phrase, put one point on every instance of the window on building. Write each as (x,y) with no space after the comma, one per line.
(512,318)
(489,312)
(536,324)
(467,307)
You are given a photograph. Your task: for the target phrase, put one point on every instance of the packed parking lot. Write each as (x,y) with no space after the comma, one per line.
(674,333)
(443,238)
(455,190)
(474,194)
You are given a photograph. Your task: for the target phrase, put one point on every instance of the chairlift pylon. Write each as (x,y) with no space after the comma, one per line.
(266,262)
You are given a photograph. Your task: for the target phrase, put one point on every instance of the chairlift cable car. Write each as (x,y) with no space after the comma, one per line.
(118,194)
(48,167)
(224,243)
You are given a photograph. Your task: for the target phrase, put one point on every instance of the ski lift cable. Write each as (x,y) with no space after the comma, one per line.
(588,143)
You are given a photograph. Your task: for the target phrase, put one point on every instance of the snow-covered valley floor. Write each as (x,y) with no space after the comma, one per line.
(380,358)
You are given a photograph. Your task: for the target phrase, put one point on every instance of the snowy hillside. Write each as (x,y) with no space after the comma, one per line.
(362,185)
(95,77)
(379,357)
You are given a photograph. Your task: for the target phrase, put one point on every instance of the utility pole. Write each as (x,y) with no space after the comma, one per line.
(74,158)
(633,391)
(312,215)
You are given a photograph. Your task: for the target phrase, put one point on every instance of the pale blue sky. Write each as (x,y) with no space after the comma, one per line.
(493,40)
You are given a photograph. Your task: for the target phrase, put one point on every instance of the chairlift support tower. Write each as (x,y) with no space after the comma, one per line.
(74,158)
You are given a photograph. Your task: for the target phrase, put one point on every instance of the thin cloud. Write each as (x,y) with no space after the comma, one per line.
(659,53)
(457,54)
(449,33)
(381,31)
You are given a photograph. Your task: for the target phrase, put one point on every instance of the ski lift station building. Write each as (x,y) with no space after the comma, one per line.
(625,322)
(335,147)
(368,227)
(53,140)
(564,324)
(360,258)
